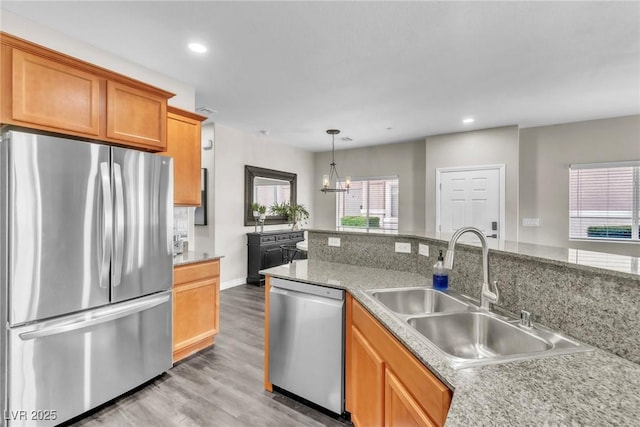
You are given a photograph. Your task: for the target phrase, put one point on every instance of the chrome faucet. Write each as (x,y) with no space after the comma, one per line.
(487,297)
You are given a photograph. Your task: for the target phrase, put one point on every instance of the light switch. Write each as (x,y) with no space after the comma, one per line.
(423,249)
(403,247)
(531,222)
(334,241)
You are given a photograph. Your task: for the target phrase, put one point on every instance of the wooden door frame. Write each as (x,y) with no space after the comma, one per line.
(502,180)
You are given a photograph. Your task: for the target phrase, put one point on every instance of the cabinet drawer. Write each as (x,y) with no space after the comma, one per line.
(282,237)
(267,239)
(299,235)
(191,272)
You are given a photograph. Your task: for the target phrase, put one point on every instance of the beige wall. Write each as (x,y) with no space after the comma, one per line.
(474,148)
(233,150)
(405,160)
(545,155)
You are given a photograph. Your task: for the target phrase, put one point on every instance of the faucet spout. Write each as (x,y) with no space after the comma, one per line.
(487,296)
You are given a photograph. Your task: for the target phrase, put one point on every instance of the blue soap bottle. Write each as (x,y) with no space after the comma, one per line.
(440,275)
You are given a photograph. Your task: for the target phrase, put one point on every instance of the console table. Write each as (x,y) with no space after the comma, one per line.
(265,251)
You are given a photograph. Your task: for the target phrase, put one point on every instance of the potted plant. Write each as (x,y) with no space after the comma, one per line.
(262,211)
(293,212)
(298,214)
(280,209)
(254,208)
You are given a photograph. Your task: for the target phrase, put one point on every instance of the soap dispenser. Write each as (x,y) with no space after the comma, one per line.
(440,275)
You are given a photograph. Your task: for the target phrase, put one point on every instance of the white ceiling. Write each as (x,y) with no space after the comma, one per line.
(418,68)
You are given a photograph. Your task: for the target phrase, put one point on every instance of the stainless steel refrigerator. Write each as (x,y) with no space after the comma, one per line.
(86,274)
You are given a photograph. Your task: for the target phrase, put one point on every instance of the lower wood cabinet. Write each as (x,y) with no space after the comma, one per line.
(385,384)
(196,307)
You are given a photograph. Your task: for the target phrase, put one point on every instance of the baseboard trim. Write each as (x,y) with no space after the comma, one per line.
(232,283)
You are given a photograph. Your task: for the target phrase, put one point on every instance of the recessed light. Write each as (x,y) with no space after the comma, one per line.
(197,47)
(468,120)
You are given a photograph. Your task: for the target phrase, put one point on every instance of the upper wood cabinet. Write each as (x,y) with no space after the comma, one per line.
(51,94)
(136,116)
(183,144)
(47,90)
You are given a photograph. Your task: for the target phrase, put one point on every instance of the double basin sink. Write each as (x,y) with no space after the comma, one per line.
(463,334)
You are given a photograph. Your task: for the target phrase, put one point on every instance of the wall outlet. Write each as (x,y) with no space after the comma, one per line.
(423,249)
(403,247)
(531,222)
(334,241)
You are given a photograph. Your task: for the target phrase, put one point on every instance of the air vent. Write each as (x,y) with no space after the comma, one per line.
(206,110)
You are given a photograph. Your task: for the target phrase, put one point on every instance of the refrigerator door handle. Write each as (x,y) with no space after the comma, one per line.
(119,223)
(107,227)
(82,321)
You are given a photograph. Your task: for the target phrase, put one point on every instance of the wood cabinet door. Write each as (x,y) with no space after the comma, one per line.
(400,408)
(367,382)
(196,307)
(50,94)
(183,144)
(195,317)
(136,117)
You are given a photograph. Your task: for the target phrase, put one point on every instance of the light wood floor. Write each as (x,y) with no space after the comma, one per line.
(221,386)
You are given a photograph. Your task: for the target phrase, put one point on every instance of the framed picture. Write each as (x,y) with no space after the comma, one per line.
(200,214)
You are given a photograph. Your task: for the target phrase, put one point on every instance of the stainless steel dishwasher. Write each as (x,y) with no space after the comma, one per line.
(306,342)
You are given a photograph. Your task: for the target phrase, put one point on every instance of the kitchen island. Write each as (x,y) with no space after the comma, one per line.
(590,388)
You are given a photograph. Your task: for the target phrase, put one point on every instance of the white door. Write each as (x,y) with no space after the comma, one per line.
(471,196)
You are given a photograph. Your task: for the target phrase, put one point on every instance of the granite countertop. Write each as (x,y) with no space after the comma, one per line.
(591,388)
(192,257)
(599,262)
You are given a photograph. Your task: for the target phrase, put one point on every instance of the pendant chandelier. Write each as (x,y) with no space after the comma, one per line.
(333,176)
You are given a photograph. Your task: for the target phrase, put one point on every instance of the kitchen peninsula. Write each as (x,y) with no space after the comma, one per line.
(593,388)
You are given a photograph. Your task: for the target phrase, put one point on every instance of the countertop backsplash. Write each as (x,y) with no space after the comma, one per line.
(597,306)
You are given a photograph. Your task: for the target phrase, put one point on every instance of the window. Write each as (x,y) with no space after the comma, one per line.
(372,203)
(604,201)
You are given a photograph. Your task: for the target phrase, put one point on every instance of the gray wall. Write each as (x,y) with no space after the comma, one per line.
(233,150)
(481,147)
(545,155)
(405,160)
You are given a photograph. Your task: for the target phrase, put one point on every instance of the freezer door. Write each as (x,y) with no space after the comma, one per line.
(143,224)
(58,226)
(60,368)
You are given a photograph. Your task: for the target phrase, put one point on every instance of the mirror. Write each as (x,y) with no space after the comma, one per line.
(266,187)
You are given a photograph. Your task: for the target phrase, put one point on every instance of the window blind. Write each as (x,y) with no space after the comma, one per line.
(372,203)
(603,201)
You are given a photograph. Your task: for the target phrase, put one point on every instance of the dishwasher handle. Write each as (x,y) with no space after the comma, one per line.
(307,288)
